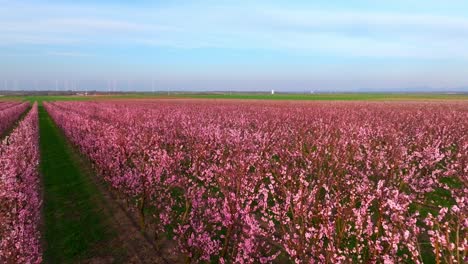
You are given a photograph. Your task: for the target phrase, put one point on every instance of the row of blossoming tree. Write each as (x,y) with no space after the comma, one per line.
(303,182)
(20,199)
(9,113)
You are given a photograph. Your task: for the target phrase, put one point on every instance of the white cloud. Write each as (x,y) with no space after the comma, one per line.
(68,54)
(254,26)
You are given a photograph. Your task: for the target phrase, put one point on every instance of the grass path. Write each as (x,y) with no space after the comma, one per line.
(74,226)
(83,222)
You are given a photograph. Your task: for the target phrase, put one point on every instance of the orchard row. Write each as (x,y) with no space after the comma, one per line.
(20,198)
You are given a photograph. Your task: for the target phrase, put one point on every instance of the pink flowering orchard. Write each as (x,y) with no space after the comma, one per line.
(9,113)
(20,198)
(262,182)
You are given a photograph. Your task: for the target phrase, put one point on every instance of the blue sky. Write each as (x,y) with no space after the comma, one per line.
(241,45)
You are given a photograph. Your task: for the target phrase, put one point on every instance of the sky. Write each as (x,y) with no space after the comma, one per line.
(296,45)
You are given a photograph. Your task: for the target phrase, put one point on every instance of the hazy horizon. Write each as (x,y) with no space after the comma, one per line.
(300,46)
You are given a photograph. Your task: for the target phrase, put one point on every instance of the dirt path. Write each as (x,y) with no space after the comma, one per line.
(82,221)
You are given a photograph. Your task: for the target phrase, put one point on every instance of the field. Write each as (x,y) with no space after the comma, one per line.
(254,96)
(341,178)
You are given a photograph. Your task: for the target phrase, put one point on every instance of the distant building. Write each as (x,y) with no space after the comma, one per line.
(272,91)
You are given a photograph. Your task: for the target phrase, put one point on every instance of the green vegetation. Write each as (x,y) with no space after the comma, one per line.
(74,227)
(331,97)
(255,96)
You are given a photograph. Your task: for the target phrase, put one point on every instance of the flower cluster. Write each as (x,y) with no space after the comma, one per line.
(448,232)
(244,182)
(20,199)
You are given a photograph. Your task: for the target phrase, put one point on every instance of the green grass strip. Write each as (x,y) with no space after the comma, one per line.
(74,226)
(254,96)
